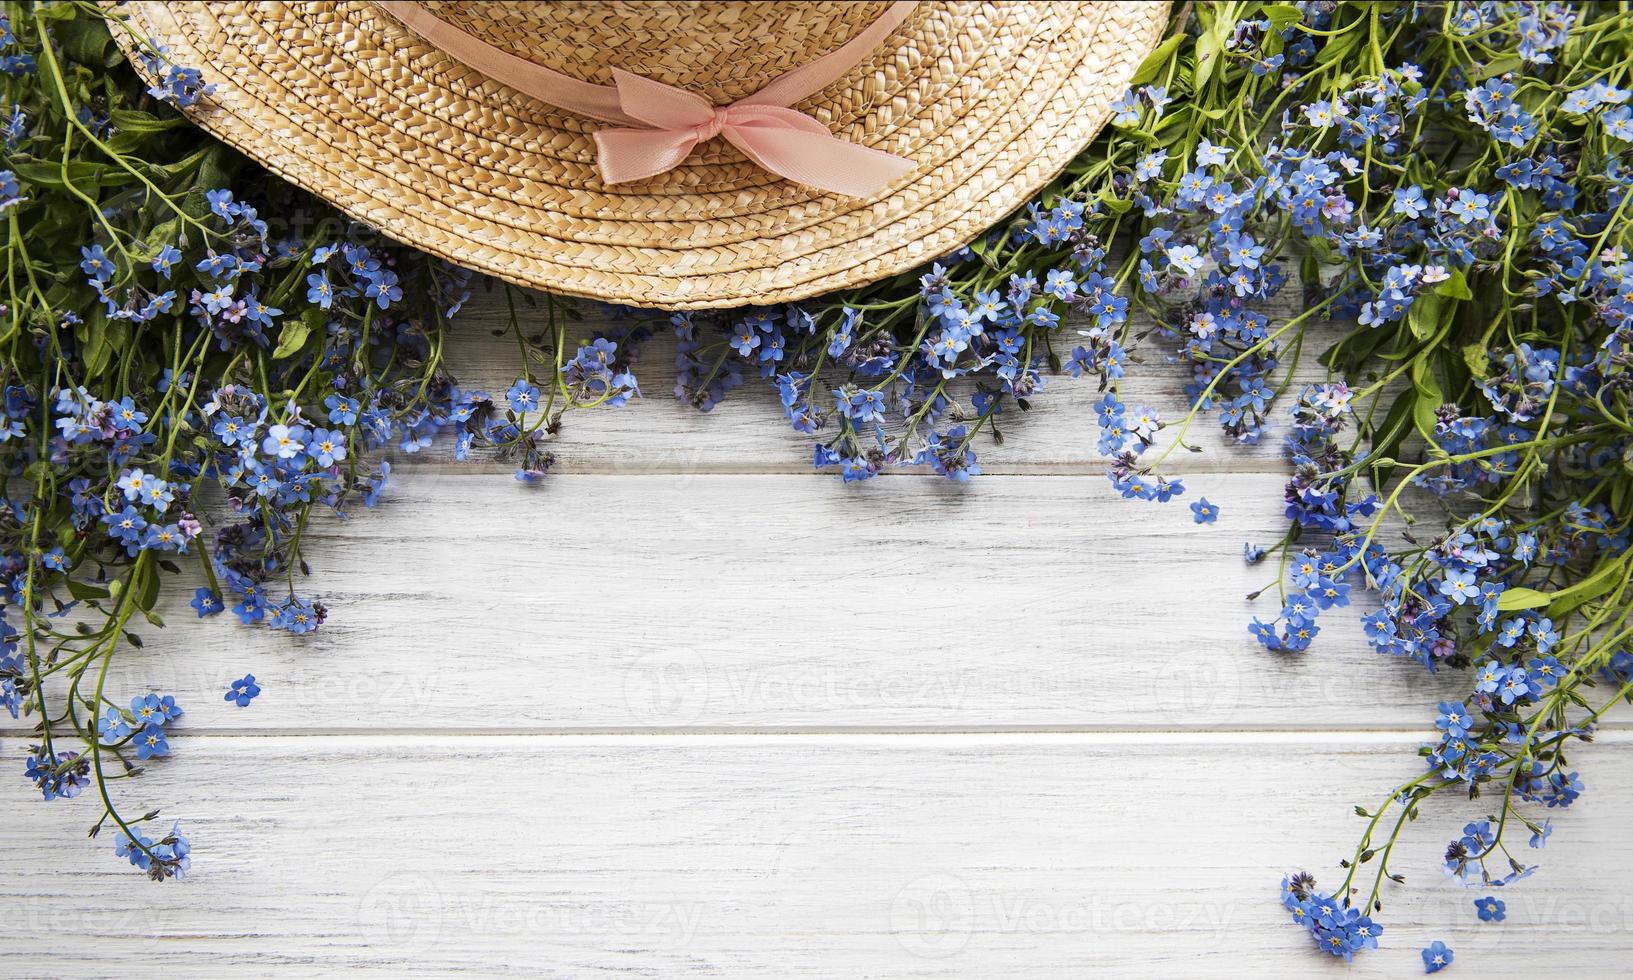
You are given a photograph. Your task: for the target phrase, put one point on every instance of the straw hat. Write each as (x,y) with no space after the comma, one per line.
(933,120)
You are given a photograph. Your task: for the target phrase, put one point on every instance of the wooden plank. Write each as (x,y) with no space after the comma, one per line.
(778,602)
(795,856)
(749,433)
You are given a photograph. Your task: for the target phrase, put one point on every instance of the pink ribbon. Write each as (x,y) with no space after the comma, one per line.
(666,122)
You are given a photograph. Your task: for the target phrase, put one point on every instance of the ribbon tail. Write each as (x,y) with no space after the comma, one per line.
(623,155)
(819,160)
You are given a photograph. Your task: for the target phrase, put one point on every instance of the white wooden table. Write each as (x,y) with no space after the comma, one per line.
(689,708)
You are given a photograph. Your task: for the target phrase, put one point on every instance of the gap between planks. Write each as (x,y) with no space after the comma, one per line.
(1611,734)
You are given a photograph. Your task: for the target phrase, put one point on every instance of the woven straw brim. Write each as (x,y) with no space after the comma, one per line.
(990,101)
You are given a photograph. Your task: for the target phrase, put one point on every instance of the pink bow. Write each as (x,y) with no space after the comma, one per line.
(782,140)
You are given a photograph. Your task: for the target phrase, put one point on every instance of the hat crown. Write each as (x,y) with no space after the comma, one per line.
(721,50)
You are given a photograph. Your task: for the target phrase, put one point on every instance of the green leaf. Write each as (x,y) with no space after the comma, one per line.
(1457,287)
(1424,315)
(1423,380)
(1156,61)
(1496,66)
(1208,47)
(97,350)
(87,177)
(1429,398)
(87,42)
(1603,579)
(1113,203)
(1513,599)
(293,337)
(137,121)
(1561,601)
(1396,424)
(149,593)
(1339,47)
(1477,359)
(85,591)
(1283,15)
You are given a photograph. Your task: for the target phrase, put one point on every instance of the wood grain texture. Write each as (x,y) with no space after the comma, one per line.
(472,602)
(689,709)
(788,856)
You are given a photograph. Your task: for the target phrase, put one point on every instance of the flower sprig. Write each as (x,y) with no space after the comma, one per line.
(186,379)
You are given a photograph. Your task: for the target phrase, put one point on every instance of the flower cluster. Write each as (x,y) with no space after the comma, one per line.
(168,857)
(1337,927)
(597,374)
(195,381)
(1461,196)
(914,380)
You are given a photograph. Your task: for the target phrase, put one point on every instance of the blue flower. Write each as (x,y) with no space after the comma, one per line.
(1328,593)
(1150,165)
(156,492)
(746,339)
(126,416)
(11,195)
(1186,259)
(342,410)
(284,441)
(1436,957)
(1126,110)
(1204,512)
(319,291)
(134,849)
(166,260)
(1619,124)
(383,289)
(523,396)
(221,204)
(152,709)
(112,726)
(325,447)
(1469,207)
(127,525)
(168,858)
(1490,909)
(151,743)
(242,691)
(1060,284)
(1454,719)
(95,263)
(258,312)
(164,537)
(207,602)
(232,431)
(298,616)
(1459,586)
(860,405)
